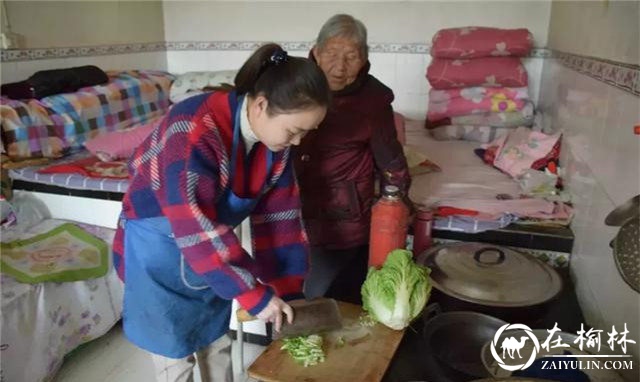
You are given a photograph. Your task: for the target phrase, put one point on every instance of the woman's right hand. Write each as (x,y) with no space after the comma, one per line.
(273,312)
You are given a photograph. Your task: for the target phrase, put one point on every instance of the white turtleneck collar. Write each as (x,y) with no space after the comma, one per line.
(248,135)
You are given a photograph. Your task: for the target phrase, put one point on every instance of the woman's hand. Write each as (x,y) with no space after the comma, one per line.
(273,312)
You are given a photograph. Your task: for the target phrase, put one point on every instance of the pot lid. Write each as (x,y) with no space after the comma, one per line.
(491,275)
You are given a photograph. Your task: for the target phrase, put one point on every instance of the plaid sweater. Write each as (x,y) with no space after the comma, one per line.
(182,169)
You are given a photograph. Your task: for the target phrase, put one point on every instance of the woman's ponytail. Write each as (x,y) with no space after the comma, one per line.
(288,83)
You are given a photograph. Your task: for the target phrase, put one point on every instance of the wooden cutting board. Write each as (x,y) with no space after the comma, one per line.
(364,356)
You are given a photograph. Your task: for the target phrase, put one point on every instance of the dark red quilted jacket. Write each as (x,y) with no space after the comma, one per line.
(337,164)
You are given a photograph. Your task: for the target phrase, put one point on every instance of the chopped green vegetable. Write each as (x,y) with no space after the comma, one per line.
(340,342)
(366,320)
(306,350)
(396,293)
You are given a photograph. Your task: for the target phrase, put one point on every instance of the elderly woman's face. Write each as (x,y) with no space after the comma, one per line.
(340,59)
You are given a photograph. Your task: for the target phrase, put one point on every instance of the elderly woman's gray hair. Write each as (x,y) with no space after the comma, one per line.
(344,26)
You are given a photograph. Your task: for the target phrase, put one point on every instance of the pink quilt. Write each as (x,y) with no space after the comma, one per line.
(474,42)
(487,71)
(475,100)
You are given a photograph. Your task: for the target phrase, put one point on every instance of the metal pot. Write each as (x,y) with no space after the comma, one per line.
(454,343)
(491,279)
(626,252)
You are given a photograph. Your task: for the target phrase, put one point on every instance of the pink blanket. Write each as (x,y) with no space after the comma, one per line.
(487,71)
(474,42)
(475,100)
(522,149)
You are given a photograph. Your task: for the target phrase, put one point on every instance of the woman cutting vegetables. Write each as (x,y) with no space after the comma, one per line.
(215,160)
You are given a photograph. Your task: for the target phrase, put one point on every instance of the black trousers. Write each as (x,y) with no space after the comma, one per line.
(337,274)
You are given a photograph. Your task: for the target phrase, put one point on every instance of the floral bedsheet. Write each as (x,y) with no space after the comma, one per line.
(43,322)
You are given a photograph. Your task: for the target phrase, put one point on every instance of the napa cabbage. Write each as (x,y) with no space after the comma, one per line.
(396,293)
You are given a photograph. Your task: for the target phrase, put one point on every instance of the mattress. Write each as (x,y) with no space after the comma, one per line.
(43,322)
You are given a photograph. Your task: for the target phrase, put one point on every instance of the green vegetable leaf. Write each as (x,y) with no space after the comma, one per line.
(396,293)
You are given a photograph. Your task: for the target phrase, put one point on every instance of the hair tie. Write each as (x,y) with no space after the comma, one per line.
(278,57)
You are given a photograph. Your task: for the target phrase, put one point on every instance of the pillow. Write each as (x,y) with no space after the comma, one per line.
(120,144)
(418,163)
(190,81)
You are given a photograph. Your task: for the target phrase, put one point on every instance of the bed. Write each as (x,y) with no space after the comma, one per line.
(464,177)
(42,322)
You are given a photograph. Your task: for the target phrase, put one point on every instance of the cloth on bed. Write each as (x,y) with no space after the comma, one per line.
(75,181)
(66,253)
(43,322)
(91,167)
(522,149)
(55,125)
(121,144)
(474,42)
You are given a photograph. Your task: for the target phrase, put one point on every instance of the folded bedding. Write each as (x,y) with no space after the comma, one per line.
(475,100)
(474,42)
(524,117)
(486,71)
(57,125)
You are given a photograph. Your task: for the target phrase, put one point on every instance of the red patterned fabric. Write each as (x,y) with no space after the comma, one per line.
(488,71)
(91,167)
(474,42)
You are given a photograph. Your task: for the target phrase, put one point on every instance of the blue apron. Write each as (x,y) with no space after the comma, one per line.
(169,309)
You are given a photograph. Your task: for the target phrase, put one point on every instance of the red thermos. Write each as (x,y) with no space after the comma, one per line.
(389,223)
(422,231)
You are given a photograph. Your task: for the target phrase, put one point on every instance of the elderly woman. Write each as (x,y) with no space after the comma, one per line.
(337,163)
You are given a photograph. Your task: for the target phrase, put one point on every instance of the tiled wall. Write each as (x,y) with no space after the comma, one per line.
(601,155)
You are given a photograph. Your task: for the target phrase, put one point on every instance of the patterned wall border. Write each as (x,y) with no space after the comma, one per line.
(621,75)
(103,50)
(14,55)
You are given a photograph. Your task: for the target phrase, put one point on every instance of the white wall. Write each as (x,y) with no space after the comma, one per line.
(47,24)
(397,22)
(600,152)
(387,21)
(606,29)
(54,25)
